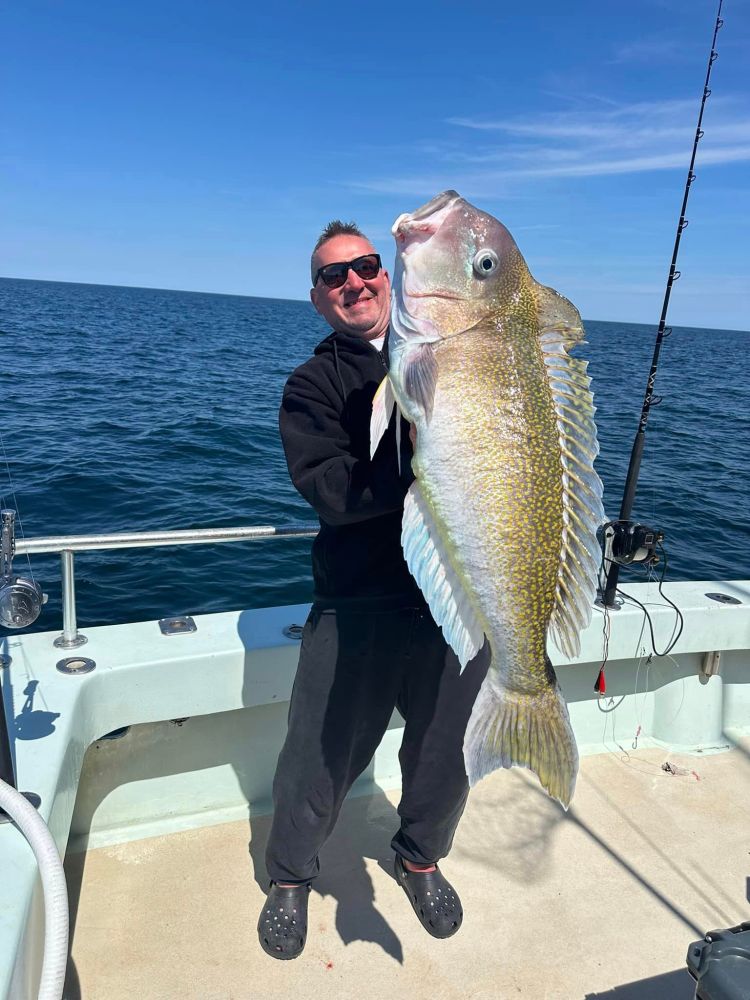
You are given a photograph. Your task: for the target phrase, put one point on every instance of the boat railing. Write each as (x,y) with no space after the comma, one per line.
(67,545)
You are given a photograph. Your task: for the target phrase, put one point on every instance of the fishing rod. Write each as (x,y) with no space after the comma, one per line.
(631,542)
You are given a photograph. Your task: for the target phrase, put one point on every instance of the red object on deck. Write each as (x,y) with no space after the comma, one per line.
(601,683)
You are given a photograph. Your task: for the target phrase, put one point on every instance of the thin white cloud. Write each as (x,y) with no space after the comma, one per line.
(646,118)
(649,49)
(498,183)
(639,164)
(600,141)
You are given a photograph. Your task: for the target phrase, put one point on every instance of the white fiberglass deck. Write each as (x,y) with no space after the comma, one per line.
(601,902)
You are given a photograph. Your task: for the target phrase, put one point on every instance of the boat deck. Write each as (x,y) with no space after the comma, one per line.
(601,902)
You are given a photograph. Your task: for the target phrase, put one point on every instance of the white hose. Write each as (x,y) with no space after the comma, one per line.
(54,889)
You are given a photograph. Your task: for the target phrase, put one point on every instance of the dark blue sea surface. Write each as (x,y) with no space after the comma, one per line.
(129,409)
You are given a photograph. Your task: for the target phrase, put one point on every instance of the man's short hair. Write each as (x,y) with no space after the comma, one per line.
(334,228)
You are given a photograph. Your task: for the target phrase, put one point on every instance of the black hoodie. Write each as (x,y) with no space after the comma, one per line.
(325,428)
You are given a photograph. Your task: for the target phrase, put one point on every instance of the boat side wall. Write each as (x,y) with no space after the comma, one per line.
(207,715)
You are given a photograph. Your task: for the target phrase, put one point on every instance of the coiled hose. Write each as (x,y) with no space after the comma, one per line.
(54,889)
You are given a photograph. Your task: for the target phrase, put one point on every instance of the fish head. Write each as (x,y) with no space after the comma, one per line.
(455,266)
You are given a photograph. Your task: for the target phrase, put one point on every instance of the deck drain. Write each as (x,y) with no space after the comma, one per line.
(724,598)
(293,631)
(116,734)
(75,665)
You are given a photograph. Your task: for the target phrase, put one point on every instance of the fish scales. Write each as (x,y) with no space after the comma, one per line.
(499,527)
(503,517)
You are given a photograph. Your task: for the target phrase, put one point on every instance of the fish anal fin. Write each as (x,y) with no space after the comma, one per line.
(398,443)
(426,557)
(512,729)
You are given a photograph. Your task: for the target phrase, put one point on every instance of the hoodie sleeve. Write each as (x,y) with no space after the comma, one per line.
(342,487)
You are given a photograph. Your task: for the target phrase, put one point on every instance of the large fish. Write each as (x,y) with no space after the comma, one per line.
(499,527)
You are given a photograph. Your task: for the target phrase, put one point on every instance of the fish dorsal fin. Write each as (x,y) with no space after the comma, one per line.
(420,376)
(382,408)
(560,328)
(558,315)
(426,558)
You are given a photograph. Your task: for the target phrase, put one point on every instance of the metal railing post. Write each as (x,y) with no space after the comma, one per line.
(70,638)
(67,545)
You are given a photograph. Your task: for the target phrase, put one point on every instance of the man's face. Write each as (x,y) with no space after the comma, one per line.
(360,308)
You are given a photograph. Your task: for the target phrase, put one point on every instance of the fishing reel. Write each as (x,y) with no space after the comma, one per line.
(627,542)
(21,598)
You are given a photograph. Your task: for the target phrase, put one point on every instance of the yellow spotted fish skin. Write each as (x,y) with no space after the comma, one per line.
(503,512)
(500,525)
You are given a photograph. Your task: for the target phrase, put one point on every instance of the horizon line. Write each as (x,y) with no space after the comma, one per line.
(274,298)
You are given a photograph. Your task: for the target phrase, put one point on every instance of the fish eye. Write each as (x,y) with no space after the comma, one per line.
(485,263)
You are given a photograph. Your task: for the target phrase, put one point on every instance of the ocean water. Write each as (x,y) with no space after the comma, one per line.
(139,409)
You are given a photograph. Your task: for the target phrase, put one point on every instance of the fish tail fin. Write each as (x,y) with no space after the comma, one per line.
(511,728)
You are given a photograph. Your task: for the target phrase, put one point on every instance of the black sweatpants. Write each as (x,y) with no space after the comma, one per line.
(354,668)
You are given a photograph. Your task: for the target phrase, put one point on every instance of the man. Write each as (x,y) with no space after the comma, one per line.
(370,643)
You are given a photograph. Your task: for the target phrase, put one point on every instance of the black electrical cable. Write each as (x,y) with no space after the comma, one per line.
(679,619)
(679,622)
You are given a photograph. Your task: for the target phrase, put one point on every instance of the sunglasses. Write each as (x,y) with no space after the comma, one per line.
(366,267)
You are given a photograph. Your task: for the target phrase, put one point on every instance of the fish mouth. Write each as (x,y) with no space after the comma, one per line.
(430,295)
(413,228)
(441,200)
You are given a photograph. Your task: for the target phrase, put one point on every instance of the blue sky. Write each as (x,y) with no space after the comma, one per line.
(203,146)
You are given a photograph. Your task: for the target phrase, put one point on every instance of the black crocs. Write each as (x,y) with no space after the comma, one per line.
(433,898)
(282,926)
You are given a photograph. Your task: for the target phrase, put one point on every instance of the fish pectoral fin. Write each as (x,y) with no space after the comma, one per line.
(398,443)
(428,563)
(508,729)
(420,376)
(382,408)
